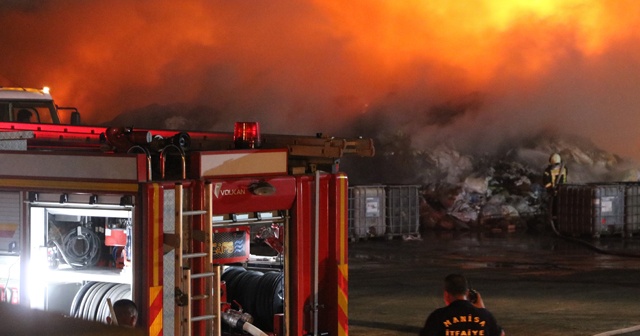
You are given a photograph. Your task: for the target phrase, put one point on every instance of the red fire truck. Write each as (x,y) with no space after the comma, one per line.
(209,233)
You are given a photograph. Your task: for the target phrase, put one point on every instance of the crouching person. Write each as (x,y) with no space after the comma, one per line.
(460,316)
(126,313)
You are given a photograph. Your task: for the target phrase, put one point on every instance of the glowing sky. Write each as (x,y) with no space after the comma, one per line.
(476,71)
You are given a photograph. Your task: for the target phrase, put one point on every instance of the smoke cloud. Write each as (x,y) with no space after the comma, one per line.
(475,72)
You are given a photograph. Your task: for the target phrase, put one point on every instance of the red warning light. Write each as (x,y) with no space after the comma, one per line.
(246,135)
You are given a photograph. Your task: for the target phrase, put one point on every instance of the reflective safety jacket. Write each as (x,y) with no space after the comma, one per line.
(554,175)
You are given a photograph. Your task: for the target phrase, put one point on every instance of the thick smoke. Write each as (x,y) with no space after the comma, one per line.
(474,73)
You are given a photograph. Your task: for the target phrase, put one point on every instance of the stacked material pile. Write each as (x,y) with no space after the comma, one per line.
(496,188)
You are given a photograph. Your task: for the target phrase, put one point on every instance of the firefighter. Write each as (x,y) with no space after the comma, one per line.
(555,173)
(126,313)
(460,316)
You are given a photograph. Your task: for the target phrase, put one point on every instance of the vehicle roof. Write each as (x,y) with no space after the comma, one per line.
(19,93)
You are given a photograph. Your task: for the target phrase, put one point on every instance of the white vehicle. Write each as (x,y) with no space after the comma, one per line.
(29,105)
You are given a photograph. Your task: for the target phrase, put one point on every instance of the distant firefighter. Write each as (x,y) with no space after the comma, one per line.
(555,173)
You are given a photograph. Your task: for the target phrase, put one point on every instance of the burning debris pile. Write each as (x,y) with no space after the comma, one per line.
(503,190)
(498,190)
(463,189)
(493,191)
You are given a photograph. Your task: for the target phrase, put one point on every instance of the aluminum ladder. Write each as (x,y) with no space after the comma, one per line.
(187,235)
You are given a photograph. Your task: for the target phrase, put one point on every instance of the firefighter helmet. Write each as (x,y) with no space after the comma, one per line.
(555,158)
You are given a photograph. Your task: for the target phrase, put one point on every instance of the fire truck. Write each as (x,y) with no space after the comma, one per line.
(209,233)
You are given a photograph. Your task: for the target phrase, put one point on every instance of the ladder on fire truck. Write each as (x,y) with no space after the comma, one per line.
(186,237)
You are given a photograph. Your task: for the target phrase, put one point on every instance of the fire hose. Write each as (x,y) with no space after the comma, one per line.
(80,248)
(91,301)
(589,245)
(241,321)
(251,329)
(260,294)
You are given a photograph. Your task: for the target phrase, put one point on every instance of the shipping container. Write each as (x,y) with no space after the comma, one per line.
(403,210)
(591,209)
(367,212)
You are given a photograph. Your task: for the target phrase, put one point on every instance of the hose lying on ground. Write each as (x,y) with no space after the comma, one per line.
(589,245)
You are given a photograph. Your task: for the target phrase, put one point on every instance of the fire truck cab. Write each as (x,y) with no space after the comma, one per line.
(30,105)
(209,233)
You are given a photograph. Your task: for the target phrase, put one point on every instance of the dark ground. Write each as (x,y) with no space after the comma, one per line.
(535,283)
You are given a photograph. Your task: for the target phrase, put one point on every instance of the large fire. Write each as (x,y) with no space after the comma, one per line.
(490,67)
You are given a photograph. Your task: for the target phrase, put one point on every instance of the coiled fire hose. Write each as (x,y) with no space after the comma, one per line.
(80,248)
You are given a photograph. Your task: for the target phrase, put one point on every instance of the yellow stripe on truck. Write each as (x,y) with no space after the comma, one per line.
(156,239)
(343,266)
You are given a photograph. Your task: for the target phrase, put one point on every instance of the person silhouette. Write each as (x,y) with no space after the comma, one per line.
(126,313)
(24,115)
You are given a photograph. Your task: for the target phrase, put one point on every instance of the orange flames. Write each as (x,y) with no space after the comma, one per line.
(319,63)
(482,39)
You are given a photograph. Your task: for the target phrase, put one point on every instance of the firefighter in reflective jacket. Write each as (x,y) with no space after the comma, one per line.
(555,174)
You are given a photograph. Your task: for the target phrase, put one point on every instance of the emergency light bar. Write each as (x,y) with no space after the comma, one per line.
(246,135)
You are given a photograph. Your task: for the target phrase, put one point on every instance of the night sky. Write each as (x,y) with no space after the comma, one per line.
(470,72)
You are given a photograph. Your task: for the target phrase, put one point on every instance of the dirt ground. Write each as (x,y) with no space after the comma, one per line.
(535,283)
